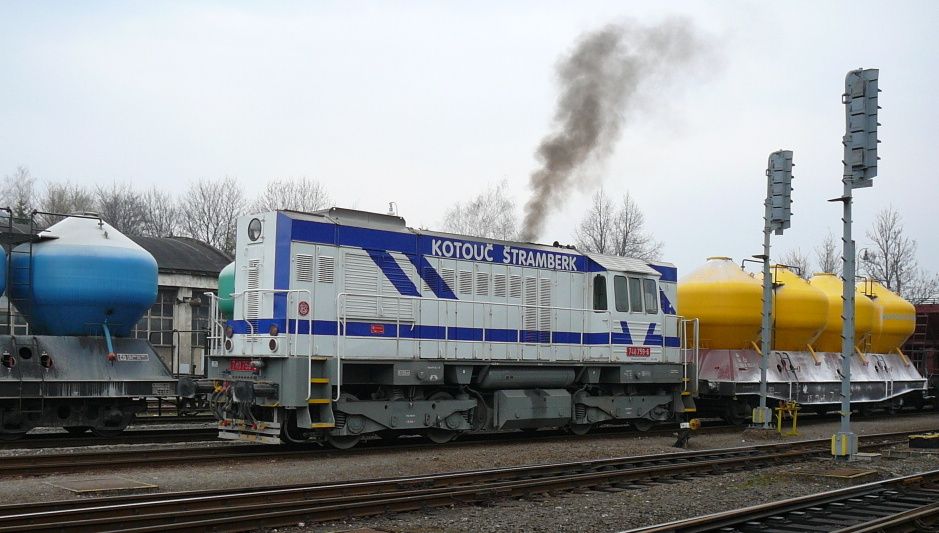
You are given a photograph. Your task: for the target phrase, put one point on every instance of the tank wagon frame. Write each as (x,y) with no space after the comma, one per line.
(349,323)
(80,382)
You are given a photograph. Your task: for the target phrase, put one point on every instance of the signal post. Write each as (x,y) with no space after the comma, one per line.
(777,218)
(860,166)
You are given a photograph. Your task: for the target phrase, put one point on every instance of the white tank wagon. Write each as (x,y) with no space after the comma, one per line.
(349,323)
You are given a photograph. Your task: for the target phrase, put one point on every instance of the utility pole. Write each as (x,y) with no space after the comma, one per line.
(860,166)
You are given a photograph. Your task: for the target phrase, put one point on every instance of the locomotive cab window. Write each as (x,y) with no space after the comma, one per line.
(620,293)
(599,293)
(650,295)
(635,295)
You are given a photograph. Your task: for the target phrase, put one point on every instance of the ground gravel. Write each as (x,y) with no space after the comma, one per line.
(590,511)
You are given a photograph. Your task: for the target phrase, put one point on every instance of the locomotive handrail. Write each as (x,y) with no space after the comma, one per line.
(292,338)
(217,327)
(343,318)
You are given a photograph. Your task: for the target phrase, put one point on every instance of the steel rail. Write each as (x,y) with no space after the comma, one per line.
(243,509)
(229,450)
(146,436)
(792,513)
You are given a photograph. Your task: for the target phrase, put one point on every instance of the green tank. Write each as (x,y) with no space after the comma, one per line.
(226,286)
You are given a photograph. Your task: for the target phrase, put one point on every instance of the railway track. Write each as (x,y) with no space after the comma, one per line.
(23,465)
(243,509)
(909,503)
(141,436)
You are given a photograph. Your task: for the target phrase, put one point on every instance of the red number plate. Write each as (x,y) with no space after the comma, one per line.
(638,351)
(378,329)
(241,365)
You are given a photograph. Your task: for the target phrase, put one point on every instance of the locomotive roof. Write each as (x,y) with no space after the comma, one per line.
(353,217)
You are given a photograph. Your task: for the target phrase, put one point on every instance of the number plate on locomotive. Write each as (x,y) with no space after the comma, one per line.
(638,351)
(241,365)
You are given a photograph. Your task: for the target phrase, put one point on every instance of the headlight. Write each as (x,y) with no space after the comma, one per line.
(254,229)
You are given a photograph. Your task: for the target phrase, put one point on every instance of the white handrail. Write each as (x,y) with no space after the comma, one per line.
(291,338)
(343,317)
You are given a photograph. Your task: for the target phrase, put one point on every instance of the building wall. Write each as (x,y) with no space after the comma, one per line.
(175,322)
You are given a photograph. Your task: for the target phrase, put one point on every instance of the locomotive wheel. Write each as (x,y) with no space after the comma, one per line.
(343,442)
(77,430)
(580,429)
(642,424)
(441,435)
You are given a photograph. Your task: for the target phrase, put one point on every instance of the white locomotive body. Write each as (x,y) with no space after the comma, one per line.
(348,323)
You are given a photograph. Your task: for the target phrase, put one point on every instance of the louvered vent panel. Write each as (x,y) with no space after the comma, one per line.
(449,277)
(515,286)
(304,268)
(544,303)
(466,282)
(482,284)
(253,299)
(325,269)
(530,315)
(393,303)
(361,282)
(499,283)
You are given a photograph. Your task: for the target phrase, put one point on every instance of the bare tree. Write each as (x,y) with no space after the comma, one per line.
(65,198)
(122,207)
(210,211)
(608,230)
(161,214)
(491,214)
(302,194)
(922,287)
(19,192)
(827,255)
(891,259)
(631,238)
(797,261)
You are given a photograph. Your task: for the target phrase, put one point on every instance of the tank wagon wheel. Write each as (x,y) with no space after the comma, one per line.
(344,442)
(442,435)
(642,424)
(580,429)
(76,430)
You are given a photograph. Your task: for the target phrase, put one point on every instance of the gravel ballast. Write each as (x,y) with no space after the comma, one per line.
(583,511)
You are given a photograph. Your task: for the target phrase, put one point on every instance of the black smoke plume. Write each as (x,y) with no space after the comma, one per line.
(600,79)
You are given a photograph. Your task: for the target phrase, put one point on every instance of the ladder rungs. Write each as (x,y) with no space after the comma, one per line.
(319,380)
(320,401)
(322,425)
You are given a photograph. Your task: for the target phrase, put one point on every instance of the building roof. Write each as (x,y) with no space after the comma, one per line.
(184,255)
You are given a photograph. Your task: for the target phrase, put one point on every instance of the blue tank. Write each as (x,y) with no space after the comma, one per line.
(84,274)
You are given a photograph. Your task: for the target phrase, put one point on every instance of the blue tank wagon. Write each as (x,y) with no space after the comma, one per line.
(82,287)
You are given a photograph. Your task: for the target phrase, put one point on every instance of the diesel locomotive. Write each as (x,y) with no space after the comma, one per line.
(347,323)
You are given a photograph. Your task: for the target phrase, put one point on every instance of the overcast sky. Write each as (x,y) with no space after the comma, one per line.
(424,104)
